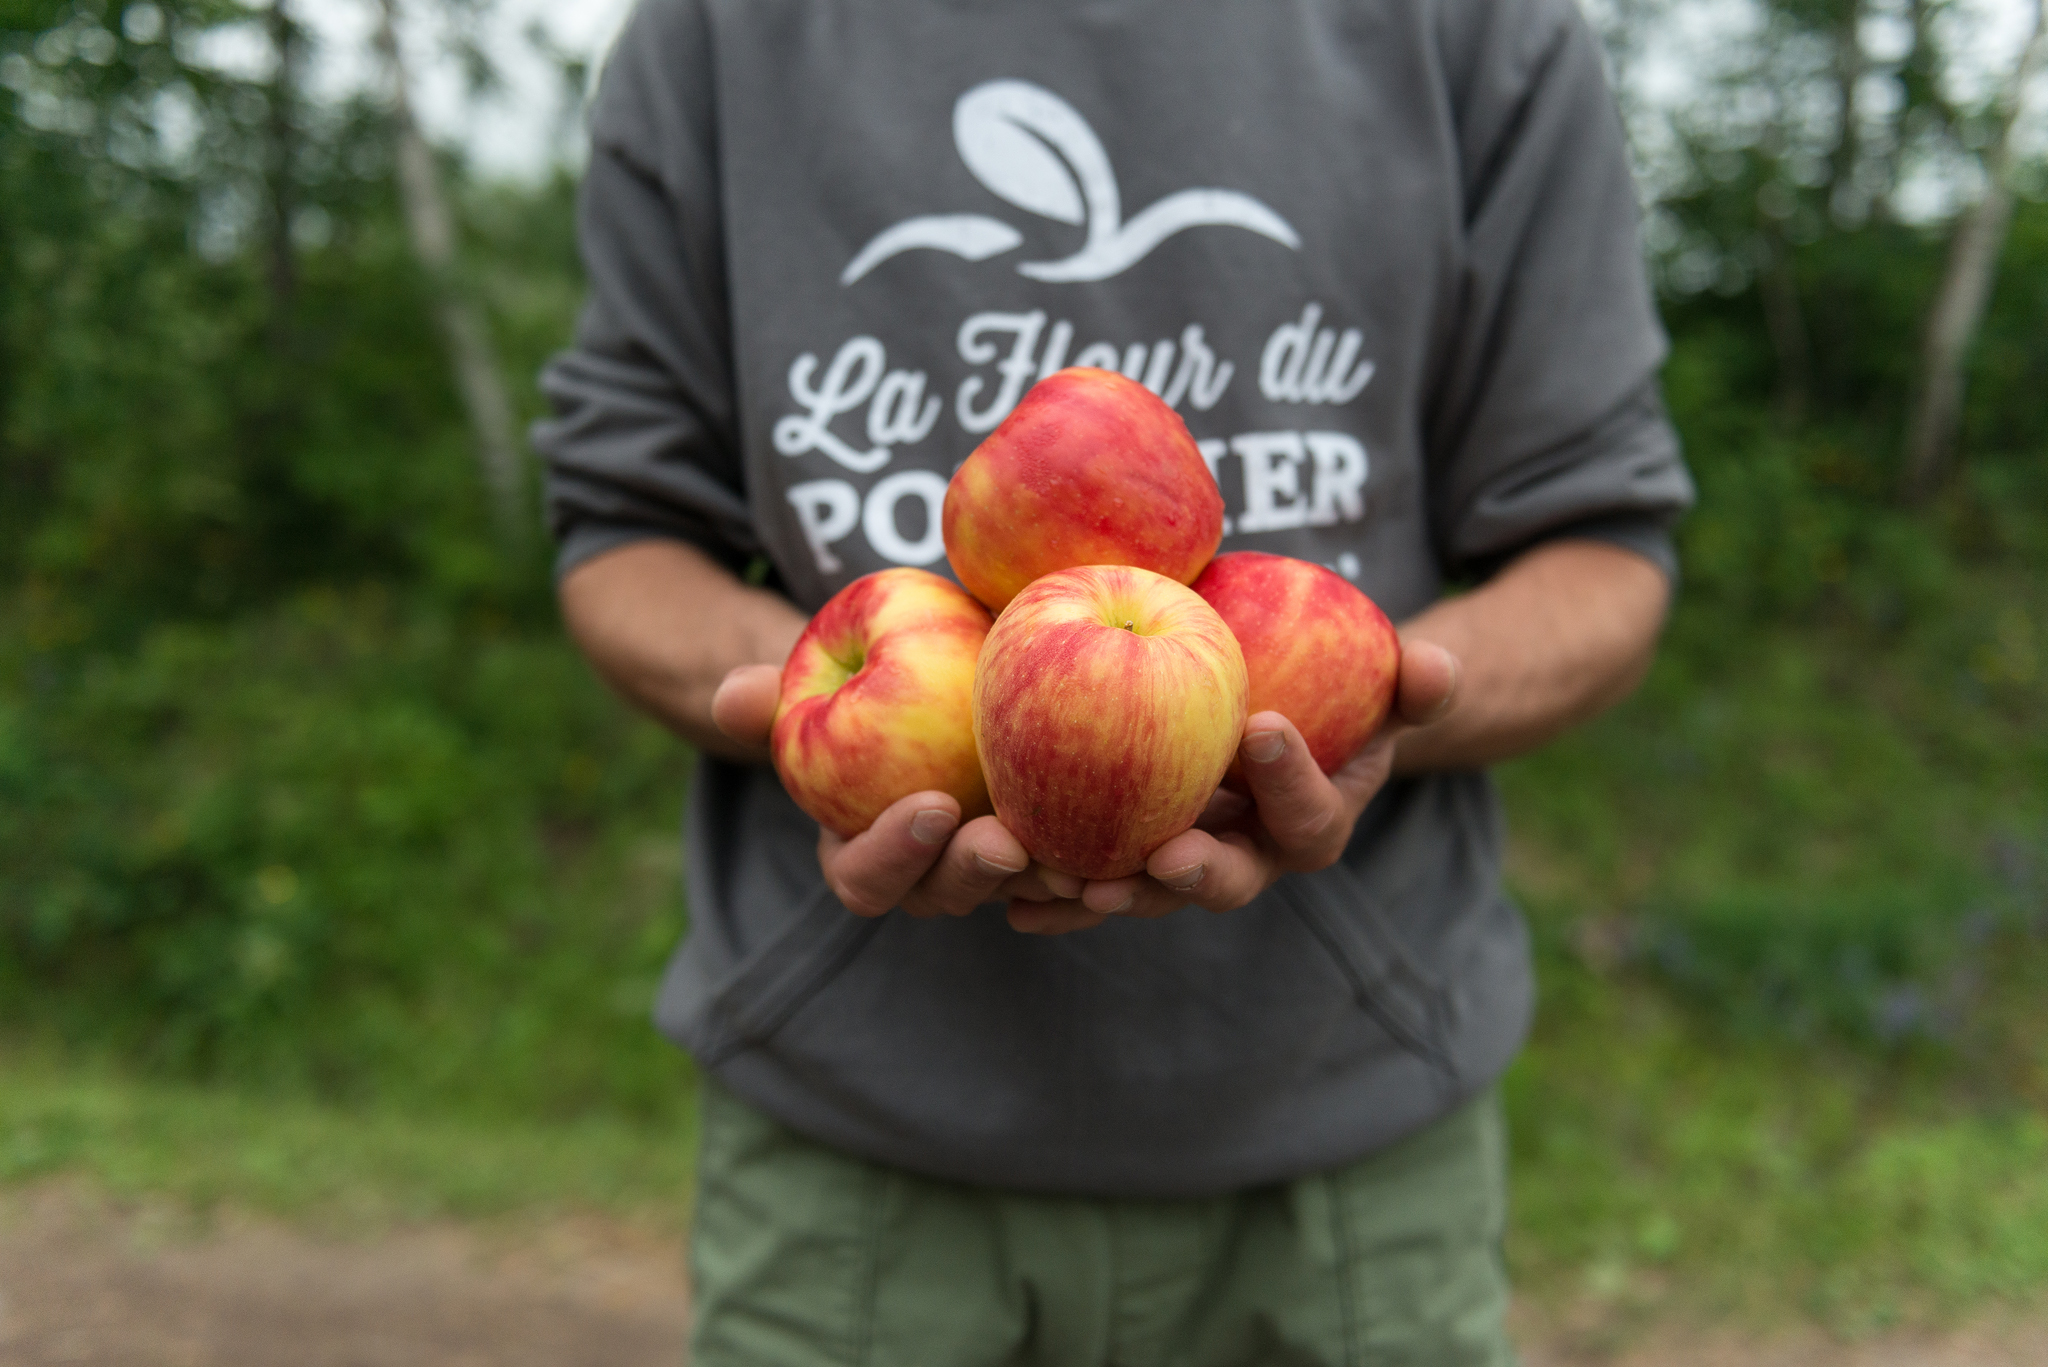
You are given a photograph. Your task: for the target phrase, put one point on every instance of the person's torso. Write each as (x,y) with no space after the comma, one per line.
(1255,210)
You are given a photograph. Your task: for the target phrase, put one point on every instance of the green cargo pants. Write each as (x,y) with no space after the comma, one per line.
(802,1255)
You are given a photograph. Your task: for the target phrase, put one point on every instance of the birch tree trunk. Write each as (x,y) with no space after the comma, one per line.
(280,157)
(1850,64)
(431,227)
(1959,303)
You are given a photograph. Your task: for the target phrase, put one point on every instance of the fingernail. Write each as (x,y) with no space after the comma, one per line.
(1121,907)
(931,826)
(1183,879)
(1263,747)
(993,869)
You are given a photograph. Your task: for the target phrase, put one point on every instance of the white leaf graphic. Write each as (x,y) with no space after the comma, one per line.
(1034,150)
(1106,255)
(969,235)
(1027,145)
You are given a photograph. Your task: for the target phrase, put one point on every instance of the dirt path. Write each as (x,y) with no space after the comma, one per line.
(86,1281)
(2001,1344)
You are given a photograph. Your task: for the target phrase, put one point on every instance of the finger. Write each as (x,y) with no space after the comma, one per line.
(1427,688)
(1300,809)
(1367,771)
(1052,918)
(1063,885)
(1029,886)
(1113,896)
(980,858)
(1219,873)
(876,869)
(743,708)
(1139,898)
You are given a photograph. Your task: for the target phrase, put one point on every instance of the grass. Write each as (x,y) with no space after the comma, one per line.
(327,1165)
(1663,1167)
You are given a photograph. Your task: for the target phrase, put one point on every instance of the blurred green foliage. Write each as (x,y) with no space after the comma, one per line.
(299,783)
(1836,779)
(344,845)
(296,765)
(302,792)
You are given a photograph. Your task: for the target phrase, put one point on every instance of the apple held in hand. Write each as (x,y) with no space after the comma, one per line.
(1090,468)
(1108,702)
(877,700)
(1317,651)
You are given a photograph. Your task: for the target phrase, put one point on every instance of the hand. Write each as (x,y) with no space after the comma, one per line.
(1297,819)
(916,855)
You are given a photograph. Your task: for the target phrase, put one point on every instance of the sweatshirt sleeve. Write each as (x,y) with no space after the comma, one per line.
(642,441)
(1544,418)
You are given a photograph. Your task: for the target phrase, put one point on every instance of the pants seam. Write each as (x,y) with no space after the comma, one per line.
(867,1285)
(1340,1235)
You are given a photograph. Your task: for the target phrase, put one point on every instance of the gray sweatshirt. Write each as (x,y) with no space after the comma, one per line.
(1381,255)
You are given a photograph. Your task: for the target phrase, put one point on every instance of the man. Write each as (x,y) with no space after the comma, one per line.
(1381,256)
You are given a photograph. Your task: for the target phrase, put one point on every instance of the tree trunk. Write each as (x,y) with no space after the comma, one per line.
(1959,303)
(1850,64)
(1785,321)
(281,157)
(431,227)
(1778,284)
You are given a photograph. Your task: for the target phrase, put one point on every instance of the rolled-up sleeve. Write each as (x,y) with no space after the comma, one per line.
(642,441)
(1544,418)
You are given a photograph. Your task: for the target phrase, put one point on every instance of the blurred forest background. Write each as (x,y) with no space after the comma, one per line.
(331,880)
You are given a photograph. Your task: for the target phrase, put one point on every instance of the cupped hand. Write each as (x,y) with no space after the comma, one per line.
(917,854)
(1297,819)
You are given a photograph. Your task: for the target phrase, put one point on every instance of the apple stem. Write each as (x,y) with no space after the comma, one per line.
(1130,626)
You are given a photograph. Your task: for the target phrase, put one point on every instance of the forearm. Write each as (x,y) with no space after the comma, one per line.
(1557,636)
(663,624)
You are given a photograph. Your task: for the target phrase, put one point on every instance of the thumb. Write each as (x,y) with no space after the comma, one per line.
(743,708)
(1427,686)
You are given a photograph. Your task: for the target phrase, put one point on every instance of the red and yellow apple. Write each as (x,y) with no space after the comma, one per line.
(877,700)
(1108,702)
(1090,468)
(1316,650)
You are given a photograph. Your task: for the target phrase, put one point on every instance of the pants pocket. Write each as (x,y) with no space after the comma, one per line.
(1415,1233)
(783,1244)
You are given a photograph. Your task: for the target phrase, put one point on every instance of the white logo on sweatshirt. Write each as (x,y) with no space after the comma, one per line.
(1030,147)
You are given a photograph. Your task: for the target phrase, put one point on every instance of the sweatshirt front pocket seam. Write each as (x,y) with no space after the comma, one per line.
(1384,979)
(782,975)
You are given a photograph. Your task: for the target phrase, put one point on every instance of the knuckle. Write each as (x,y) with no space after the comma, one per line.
(951,888)
(1221,890)
(1306,822)
(948,901)
(1320,852)
(861,898)
(974,876)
